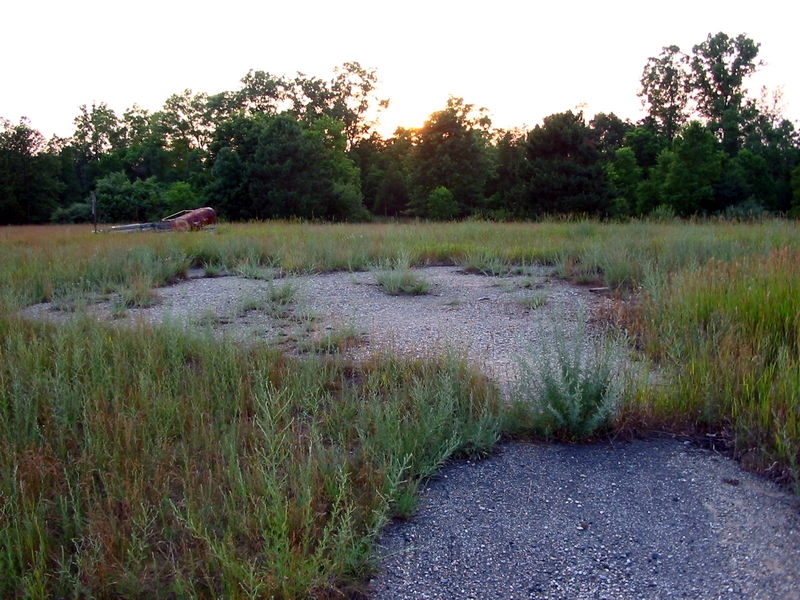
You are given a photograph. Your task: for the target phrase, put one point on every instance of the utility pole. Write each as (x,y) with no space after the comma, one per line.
(94,211)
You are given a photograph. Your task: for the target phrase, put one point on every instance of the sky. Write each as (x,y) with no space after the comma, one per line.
(521,60)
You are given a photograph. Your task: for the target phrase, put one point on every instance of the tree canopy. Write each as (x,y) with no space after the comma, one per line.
(305,146)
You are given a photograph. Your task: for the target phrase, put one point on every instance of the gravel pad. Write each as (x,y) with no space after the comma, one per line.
(483,319)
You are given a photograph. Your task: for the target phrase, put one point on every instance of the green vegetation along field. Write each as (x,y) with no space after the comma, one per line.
(156,462)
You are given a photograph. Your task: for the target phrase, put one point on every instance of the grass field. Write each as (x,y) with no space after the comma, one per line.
(161,463)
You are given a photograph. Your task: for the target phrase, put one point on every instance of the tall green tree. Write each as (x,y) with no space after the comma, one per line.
(396,163)
(29,188)
(278,167)
(451,151)
(97,133)
(507,185)
(185,123)
(348,97)
(565,173)
(646,145)
(746,178)
(689,173)
(97,130)
(261,92)
(120,200)
(720,66)
(624,178)
(143,151)
(609,132)
(794,211)
(665,90)
(774,138)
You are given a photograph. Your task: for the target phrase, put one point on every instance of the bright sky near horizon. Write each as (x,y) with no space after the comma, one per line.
(521,60)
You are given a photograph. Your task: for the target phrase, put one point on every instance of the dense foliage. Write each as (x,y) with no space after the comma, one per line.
(306,147)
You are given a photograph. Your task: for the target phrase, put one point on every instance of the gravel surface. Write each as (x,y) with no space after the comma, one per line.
(648,519)
(476,315)
(480,317)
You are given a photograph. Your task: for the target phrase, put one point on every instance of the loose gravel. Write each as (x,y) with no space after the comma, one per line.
(481,318)
(642,520)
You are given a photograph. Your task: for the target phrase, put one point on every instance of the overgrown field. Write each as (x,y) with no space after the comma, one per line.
(161,463)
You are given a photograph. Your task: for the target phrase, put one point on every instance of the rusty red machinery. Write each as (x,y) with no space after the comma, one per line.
(185,220)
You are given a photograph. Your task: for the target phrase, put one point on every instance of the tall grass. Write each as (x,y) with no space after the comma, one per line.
(729,332)
(154,463)
(39,262)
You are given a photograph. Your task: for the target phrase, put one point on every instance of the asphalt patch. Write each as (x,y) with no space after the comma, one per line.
(646,520)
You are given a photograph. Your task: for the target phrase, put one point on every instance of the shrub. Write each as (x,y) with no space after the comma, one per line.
(570,388)
(749,210)
(439,205)
(77,212)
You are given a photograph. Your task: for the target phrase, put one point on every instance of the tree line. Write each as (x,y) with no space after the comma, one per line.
(306,147)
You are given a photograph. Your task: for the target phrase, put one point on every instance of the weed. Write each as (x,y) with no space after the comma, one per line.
(117,307)
(588,277)
(402,282)
(571,387)
(395,277)
(139,294)
(139,462)
(483,263)
(333,341)
(251,268)
(211,318)
(282,294)
(533,301)
(527,282)
(729,332)
(70,299)
(209,465)
(276,301)
(214,270)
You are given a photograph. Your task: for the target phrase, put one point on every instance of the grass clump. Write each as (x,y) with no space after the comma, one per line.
(333,341)
(250,270)
(484,263)
(396,278)
(533,301)
(282,294)
(214,269)
(276,301)
(397,282)
(70,299)
(527,282)
(571,389)
(139,294)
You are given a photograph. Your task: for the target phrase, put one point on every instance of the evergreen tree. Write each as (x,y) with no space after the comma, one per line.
(564,172)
